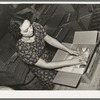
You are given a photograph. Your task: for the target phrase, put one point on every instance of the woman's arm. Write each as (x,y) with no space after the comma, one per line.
(57,44)
(52,65)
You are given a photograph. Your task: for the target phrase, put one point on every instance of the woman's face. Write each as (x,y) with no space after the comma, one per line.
(26,29)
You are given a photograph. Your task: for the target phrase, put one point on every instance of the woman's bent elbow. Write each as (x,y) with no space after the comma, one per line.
(43,64)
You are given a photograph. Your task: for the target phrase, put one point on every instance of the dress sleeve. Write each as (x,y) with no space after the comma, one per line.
(39,30)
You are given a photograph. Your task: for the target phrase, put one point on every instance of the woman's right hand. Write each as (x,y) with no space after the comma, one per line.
(78,60)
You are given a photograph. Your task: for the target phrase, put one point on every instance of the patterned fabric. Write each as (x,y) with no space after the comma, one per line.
(31,52)
(44,75)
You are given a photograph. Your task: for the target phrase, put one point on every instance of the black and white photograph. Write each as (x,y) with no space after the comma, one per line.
(46,46)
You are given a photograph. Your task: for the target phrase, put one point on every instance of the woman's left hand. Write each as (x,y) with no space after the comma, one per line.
(73,52)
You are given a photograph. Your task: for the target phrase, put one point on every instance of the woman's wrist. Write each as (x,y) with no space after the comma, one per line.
(68,50)
(68,62)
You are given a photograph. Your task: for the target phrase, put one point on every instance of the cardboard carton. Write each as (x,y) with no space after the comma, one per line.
(71,75)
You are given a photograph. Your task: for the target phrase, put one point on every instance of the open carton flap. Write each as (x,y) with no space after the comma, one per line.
(66,78)
(85,37)
(72,76)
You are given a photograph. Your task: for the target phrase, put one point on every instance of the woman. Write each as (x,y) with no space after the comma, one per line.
(31,47)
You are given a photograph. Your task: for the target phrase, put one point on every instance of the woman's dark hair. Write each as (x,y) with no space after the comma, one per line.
(14,29)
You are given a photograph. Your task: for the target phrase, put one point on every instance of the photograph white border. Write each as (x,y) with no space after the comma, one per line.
(55,93)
